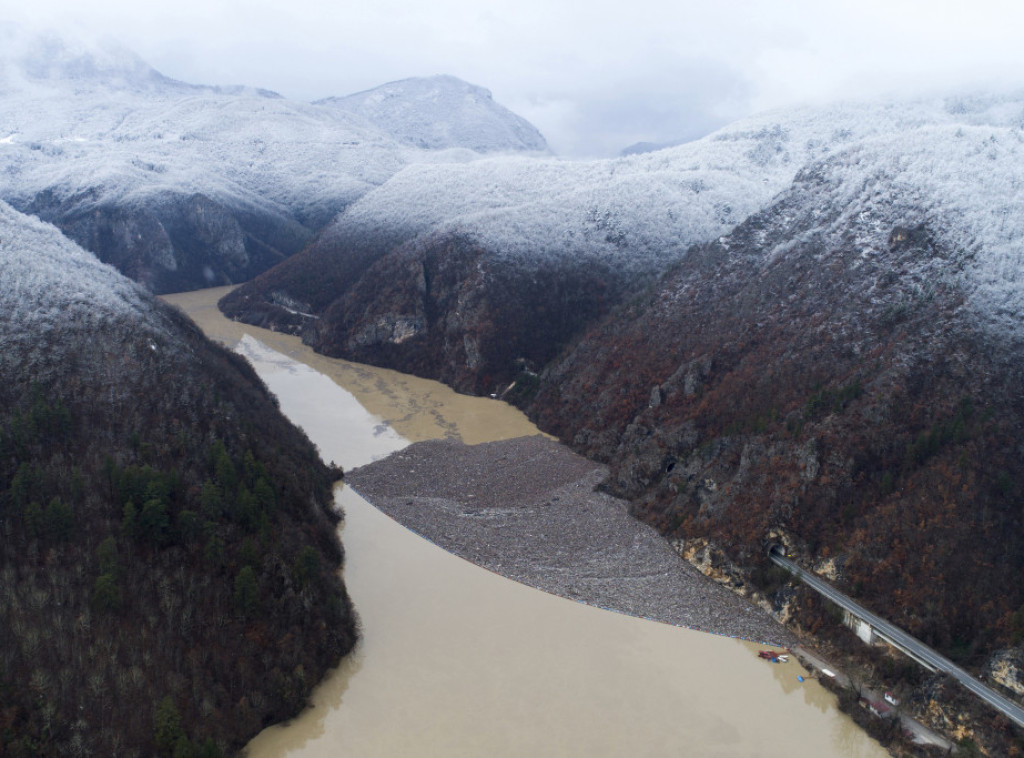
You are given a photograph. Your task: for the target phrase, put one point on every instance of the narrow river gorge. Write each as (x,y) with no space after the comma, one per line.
(457,661)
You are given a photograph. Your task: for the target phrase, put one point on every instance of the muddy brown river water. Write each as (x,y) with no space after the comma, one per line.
(457,661)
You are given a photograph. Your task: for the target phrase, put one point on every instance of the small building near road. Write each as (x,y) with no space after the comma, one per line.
(880,708)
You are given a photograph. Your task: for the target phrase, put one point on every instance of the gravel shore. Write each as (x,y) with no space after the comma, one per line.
(527,508)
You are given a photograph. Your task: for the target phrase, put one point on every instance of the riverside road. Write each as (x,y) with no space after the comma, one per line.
(900,639)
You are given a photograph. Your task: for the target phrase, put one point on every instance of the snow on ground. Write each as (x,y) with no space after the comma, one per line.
(441,112)
(646,209)
(965,184)
(83,120)
(48,280)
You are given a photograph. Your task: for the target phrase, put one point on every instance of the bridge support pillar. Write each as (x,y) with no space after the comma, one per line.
(860,627)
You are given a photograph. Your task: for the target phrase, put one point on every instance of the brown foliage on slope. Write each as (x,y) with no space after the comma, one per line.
(781,383)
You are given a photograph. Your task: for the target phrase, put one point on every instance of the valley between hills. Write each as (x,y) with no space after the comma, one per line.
(805,328)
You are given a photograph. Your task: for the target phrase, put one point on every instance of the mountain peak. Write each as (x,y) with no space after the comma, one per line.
(439,112)
(31,57)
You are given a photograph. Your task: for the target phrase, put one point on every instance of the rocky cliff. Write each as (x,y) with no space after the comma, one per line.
(442,307)
(445,308)
(841,373)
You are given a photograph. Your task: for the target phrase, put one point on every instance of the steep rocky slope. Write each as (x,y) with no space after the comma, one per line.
(475,272)
(168,554)
(842,373)
(444,308)
(183,186)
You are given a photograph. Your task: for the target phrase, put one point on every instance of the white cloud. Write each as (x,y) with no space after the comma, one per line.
(572,60)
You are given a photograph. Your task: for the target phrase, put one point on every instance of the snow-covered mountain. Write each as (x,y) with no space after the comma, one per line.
(652,204)
(842,373)
(441,112)
(620,222)
(180,185)
(807,327)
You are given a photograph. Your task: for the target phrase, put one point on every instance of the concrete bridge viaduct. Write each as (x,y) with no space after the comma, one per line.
(870,627)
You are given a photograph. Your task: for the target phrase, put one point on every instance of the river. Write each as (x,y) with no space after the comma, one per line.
(457,661)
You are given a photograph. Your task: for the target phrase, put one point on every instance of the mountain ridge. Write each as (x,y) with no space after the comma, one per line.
(620,222)
(181,185)
(440,112)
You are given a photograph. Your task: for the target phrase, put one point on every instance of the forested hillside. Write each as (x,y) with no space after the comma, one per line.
(842,373)
(168,555)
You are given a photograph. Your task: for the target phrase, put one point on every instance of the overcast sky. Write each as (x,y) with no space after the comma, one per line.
(593,76)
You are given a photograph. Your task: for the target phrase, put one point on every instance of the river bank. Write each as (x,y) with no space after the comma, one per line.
(454,661)
(528,509)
